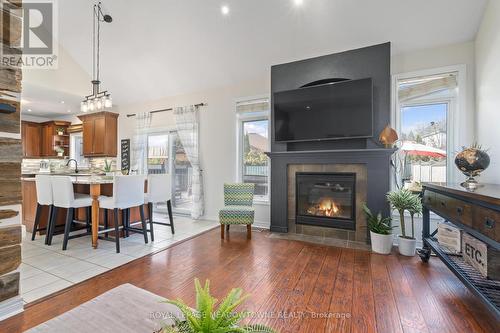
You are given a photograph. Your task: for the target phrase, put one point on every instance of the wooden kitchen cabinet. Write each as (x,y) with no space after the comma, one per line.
(100,136)
(31,134)
(40,139)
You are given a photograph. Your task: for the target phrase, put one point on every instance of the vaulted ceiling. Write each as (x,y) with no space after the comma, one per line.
(159,48)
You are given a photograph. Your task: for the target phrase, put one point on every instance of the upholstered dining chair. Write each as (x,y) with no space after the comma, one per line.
(238,209)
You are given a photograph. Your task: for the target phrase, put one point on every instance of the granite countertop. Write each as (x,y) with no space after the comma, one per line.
(86,180)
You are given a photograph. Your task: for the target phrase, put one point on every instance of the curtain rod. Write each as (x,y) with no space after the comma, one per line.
(164,110)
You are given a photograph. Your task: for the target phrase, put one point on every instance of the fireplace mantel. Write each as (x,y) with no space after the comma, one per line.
(288,154)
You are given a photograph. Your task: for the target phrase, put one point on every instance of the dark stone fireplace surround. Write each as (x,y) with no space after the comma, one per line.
(374,161)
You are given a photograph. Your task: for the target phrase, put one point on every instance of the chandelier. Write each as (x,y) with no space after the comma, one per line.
(98,100)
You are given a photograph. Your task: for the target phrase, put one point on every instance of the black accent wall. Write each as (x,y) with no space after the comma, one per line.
(368,62)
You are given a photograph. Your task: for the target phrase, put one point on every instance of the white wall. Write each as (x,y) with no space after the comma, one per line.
(488,88)
(217,136)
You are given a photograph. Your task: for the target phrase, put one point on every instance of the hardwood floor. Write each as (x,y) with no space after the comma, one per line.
(295,287)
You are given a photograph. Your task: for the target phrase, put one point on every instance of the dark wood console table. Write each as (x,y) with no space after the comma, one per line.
(477,213)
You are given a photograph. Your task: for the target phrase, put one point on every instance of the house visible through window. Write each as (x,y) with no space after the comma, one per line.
(425,107)
(253,128)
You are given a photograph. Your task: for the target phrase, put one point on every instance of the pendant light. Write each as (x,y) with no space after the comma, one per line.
(98,100)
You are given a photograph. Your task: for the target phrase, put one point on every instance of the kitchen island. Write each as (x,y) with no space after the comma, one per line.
(93,185)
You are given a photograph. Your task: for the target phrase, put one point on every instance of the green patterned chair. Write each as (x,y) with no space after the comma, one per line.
(238,200)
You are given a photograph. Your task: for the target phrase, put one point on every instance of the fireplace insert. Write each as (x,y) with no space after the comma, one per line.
(326,199)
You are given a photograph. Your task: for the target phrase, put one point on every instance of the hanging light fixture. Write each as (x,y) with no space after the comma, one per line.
(98,100)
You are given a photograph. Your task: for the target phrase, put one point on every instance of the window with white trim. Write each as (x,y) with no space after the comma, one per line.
(253,142)
(425,107)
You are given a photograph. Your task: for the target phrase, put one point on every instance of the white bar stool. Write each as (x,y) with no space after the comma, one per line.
(128,192)
(65,197)
(159,190)
(43,198)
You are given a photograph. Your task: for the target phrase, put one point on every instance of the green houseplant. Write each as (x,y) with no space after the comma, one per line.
(380,231)
(108,167)
(404,200)
(207,318)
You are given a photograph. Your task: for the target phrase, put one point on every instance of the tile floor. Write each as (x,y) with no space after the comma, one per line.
(47,269)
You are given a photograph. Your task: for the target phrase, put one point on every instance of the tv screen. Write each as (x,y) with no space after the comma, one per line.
(327,112)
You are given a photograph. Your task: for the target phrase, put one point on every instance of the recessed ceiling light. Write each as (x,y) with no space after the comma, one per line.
(62,102)
(29,110)
(298,2)
(69,110)
(224,10)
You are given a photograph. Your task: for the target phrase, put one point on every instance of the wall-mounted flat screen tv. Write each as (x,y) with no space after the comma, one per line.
(330,111)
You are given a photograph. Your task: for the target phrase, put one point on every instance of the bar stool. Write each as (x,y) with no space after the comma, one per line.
(43,198)
(159,190)
(128,192)
(65,197)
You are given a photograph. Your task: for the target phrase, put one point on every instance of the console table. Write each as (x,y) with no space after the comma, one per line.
(477,213)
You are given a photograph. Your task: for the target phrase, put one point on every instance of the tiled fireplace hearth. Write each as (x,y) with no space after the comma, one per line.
(325,200)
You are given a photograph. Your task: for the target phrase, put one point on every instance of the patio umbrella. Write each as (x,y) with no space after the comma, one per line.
(413,148)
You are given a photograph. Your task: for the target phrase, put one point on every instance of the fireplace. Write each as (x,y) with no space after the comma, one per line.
(326,199)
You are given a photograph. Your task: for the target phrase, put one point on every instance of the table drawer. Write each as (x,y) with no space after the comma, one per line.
(457,210)
(487,222)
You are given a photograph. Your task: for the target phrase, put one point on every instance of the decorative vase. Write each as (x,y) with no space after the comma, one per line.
(59,154)
(381,244)
(388,136)
(471,162)
(407,246)
(60,133)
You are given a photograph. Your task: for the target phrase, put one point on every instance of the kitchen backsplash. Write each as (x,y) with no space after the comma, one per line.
(32,165)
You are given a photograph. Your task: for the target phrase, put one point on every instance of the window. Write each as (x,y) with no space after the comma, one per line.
(166,155)
(425,106)
(253,139)
(76,151)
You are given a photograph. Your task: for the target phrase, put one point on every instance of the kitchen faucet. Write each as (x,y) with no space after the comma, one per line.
(76,164)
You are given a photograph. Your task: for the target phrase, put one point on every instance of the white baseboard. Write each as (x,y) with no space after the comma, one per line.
(11,307)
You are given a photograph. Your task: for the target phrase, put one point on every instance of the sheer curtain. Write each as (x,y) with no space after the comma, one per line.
(140,143)
(187,123)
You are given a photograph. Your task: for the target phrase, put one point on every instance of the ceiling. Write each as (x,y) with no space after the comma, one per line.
(160,48)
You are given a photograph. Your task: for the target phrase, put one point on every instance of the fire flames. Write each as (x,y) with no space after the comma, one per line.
(325,207)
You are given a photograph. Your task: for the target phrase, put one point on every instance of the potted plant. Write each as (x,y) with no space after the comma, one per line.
(207,318)
(404,200)
(108,167)
(59,150)
(380,231)
(60,131)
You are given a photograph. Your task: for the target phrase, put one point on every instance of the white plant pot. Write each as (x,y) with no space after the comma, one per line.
(407,246)
(381,243)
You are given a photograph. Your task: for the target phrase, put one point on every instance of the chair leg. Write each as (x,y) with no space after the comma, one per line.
(227,228)
(127,220)
(49,225)
(150,213)
(88,221)
(53,222)
(117,230)
(143,221)
(37,221)
(67,227)
(222,231)
(170,216)
(249,231)
(106,222)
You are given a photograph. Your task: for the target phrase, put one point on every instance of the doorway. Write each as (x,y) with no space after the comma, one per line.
(166,155)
